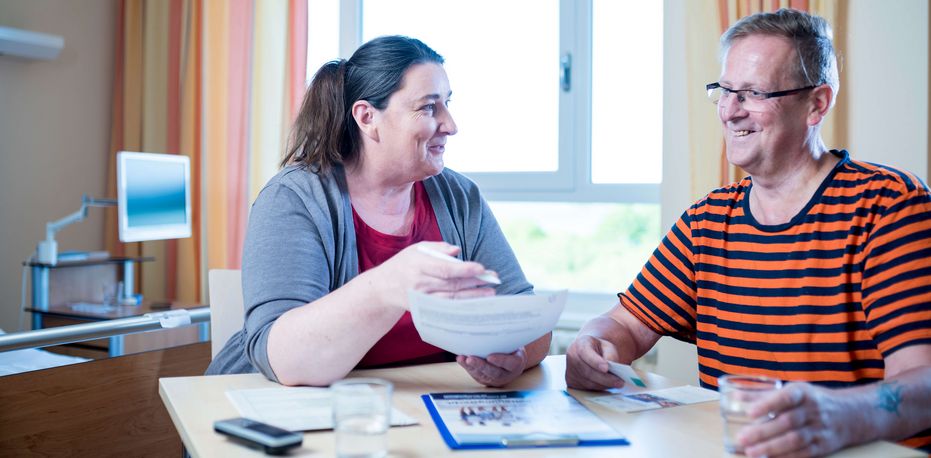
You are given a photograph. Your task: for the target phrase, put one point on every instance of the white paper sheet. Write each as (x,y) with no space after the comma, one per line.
(482,326)
(32,359)
(627,373)
(295,408)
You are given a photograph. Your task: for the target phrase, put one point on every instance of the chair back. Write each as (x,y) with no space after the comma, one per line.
(226,306)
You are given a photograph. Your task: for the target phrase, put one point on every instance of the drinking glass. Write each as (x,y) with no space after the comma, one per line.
(737,393)
(109,293)
(361,417)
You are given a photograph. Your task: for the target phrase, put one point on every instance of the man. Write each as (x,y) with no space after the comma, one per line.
(814,269)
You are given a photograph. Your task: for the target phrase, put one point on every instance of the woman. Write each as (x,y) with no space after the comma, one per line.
(332,244)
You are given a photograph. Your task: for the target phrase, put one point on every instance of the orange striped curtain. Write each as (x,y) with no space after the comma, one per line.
(219,81)
(708,21)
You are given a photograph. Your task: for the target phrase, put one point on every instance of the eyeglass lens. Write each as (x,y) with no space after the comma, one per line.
(718,95)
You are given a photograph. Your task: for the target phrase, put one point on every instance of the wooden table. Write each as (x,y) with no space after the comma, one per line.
(194,403)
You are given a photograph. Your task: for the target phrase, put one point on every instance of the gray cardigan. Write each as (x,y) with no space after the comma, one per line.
(301,244)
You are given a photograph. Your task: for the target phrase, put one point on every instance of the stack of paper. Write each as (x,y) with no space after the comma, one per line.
(482,326)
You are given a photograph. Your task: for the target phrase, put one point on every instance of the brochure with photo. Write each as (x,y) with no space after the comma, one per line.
(656,399)
(517,419)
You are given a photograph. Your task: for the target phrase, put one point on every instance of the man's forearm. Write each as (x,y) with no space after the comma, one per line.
(619,334)
(892,409)
(902,403)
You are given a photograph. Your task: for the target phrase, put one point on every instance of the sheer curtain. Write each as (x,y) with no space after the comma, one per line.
(708,21)
(219,81)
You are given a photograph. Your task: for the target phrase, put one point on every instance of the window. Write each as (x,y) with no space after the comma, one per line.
(559,108)
(580,246)
(322,34)
(504,98)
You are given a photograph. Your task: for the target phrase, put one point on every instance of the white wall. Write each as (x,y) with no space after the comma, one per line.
(886,72)
(54,133)
(673,358)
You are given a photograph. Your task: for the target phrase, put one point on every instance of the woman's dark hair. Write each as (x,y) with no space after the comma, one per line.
(325,133)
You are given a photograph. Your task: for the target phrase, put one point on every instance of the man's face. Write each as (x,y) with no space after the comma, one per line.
(770,138)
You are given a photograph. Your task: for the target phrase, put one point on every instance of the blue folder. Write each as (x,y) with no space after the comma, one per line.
(498,441)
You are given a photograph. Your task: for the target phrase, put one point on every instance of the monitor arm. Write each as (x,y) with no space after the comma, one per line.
(47,251)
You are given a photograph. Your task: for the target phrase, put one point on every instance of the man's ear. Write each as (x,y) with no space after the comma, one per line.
(822,97)
(365,115)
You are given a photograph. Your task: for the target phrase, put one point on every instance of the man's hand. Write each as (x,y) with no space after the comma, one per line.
(587,364)
(497,370)
(806,420)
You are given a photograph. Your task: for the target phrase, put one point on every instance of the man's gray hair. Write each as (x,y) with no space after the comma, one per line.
(812,36)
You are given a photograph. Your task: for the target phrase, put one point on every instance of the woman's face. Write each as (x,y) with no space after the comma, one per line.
(413,127)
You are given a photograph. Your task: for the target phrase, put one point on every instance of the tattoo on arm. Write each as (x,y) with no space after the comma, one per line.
(890,396)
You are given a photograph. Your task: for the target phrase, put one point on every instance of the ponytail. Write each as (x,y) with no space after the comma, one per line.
(319,135)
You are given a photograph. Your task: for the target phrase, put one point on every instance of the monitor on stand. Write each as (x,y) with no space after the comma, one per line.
(154,196)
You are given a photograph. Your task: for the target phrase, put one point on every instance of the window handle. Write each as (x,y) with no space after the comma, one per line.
(565,73)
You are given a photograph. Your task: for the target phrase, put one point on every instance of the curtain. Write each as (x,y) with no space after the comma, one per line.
(708,21)
(220,82)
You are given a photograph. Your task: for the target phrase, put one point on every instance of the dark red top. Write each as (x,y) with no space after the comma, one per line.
(402,344)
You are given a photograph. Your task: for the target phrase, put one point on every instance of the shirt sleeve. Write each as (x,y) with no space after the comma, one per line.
(284,266)
(896,284)
(495,253)
(663,296)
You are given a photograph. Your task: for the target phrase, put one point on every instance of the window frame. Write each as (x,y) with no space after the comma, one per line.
(572,181)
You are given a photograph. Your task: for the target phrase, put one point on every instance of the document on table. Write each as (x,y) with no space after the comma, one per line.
(482,326)
(295,408)
(656,399)
(84,307)
(533,418)
(33,359)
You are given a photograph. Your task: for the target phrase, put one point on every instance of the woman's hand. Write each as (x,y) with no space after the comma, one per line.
(497,370)
(412,269)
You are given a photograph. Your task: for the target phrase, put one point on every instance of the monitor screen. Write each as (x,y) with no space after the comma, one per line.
(153,196)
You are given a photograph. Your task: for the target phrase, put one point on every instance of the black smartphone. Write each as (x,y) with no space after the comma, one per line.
(272,439)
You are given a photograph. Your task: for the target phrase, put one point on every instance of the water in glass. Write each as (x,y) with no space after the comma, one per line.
(362,437)
(738,394)
(734,422)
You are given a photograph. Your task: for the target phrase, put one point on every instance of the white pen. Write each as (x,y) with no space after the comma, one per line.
(487,276)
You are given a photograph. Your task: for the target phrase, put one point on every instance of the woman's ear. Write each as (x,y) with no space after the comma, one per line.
(365,115)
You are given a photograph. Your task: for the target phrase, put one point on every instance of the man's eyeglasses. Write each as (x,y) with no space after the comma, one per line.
(749,99)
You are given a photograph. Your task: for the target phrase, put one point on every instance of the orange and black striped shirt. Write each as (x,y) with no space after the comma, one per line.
(822,298)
